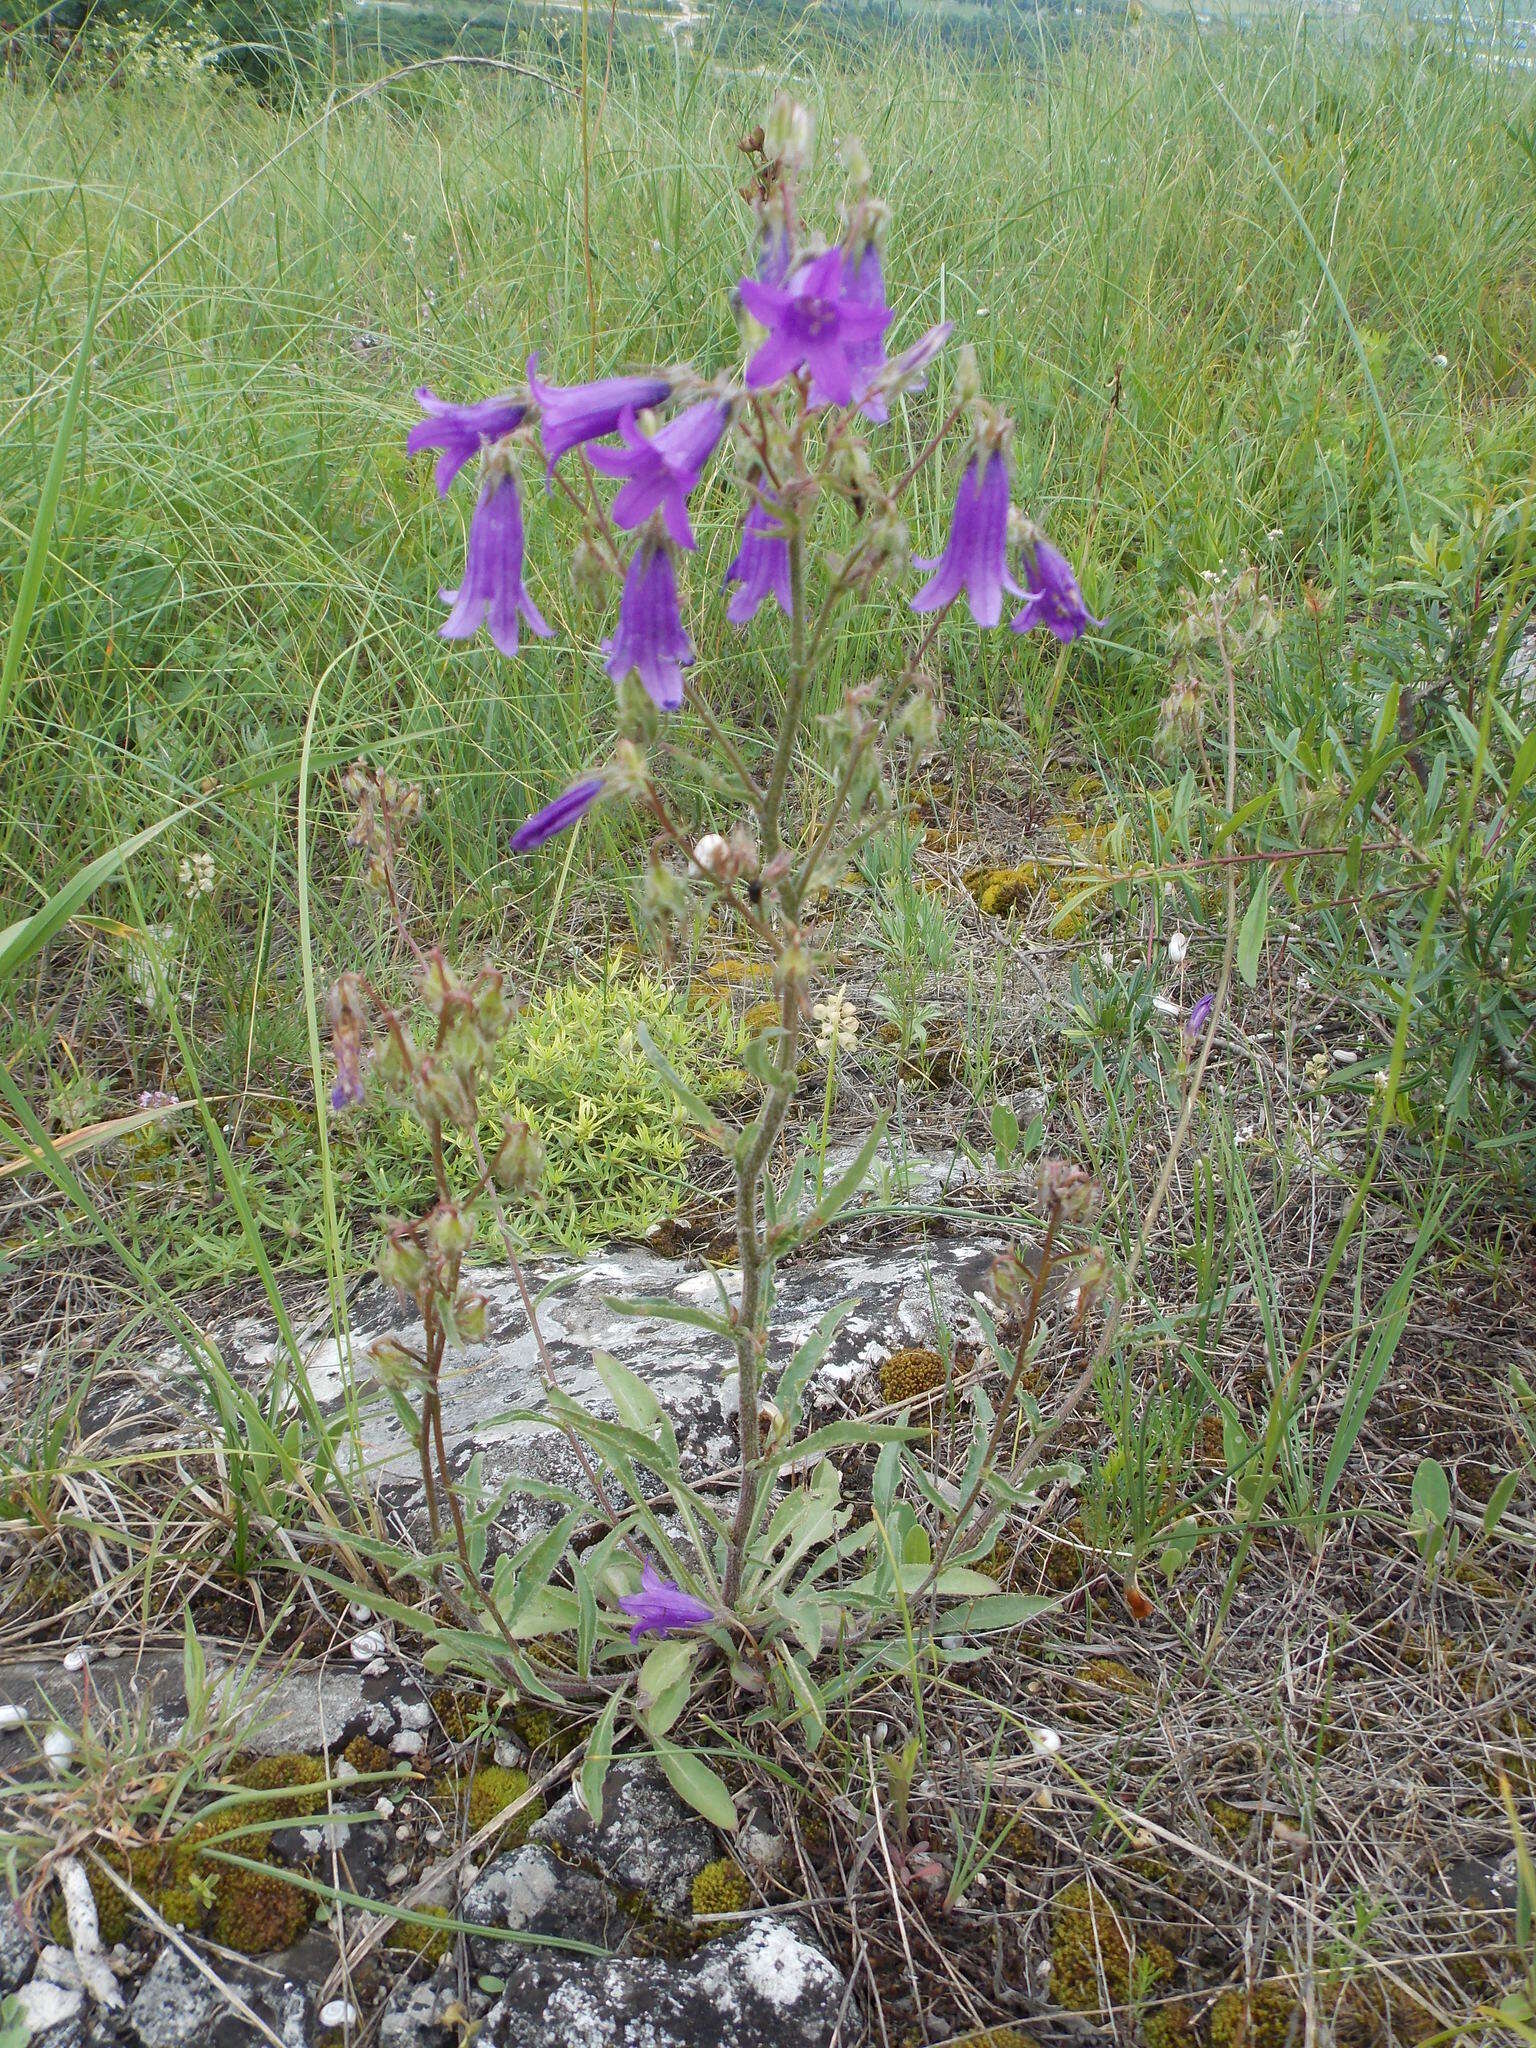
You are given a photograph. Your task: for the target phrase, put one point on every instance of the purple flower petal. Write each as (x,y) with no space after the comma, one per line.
(572,414)
(659,1607)
(650,638)
(461,431)
(661,469)
(866,353)
(1197,1020)
(1054,598)
(492,593)
(816,320)
(976,559)
(574,803)
(761,568)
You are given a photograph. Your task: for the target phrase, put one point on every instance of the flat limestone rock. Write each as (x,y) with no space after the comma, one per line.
(494,1393)
(176,2006)
(764,1987)
(531,1892)
(648,1841)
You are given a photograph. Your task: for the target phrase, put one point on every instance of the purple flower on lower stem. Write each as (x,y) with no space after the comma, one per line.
(460,431)
(493,593)
(556,816)
(347,1090)
(775,253)
(650,637)
(761,567)
(660,469)
(976,559)
(659,1607)
(1054,598)
(813,320)
(866,354)
(1197,1020)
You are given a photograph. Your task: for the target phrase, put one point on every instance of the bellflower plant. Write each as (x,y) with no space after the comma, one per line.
(821,518)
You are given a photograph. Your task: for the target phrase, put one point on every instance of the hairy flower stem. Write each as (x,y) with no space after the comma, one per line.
(794,697)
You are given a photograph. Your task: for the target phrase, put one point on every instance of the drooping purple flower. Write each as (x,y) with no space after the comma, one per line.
(660,1608)
(662,468)
(761,567)
(976,559)
(650,637)
(1054,598)
(556,816)
(907,371)
(573,414)
(813,319)
(775,252)
(344,1008)
(1197,1020)
(461,431)
(493,593)
(866,354)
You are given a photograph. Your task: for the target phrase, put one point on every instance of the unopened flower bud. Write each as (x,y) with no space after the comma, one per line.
(664,896)
(402,1263)
(519,1163)
(628,774)
(638,718)
(439,986)
(1011,1280)
(793,966)
(788,133)
(712,856)
(967,376)
(445,1093)
(857,163)
(492,1007)
(1068,1189)
(470,1316)
(394,1062)
(451,1231)
(918,720)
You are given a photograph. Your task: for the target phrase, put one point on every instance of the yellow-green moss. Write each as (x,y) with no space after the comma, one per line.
(910,1373)
(996,2037)
(997,891)
(459,1714)
(366,1756)
(1108,1674)
(1087,1939)
(721,1887)
(408,1937)
(1266,2017)
(542,1727)
(257,1910)
(287,1772)
(1227,1819)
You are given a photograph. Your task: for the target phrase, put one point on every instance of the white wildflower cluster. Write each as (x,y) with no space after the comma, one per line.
(837,1024)
(196,875)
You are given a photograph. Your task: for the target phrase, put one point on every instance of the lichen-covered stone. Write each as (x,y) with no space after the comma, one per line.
(16,1952)
(648,1844)
(764,1986)
(533,1892)
(176,2006)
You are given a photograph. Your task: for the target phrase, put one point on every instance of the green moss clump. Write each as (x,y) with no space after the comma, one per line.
(997,891)
(486,1793)
(286,1772)
(540,1727)
(1227,1819)
(1108,1674)
(721,1887)
(996,2037)
(257,1910)
(1266,2017)
(366,1756)
(909,1374)
(408,1937)
(1087,1939)
(460,1715)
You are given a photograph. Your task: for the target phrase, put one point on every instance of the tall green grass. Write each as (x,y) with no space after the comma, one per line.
(238,535)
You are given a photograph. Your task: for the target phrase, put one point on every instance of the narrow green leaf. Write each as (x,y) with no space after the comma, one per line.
(1250,933)
(594,1766)
(813,1713)
(1498,1501)
(692,1779)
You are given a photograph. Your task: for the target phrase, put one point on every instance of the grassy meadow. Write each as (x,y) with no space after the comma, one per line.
(1262,303)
